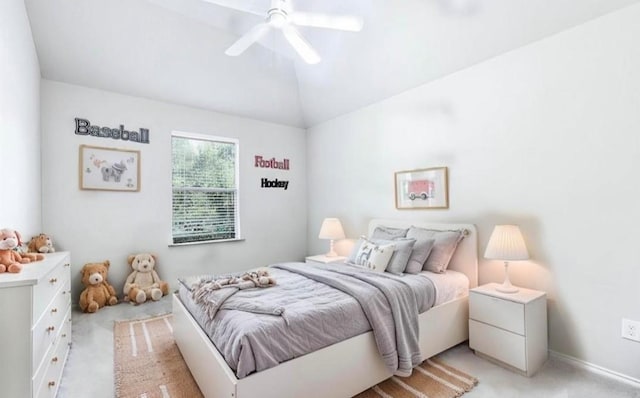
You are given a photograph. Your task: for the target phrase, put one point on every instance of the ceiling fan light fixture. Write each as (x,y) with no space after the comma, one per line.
(277,18)
(280,16)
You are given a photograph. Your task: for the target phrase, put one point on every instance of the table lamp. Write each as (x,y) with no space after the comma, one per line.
(506,244)
(331,229)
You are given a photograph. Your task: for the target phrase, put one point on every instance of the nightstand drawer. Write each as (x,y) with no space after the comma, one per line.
(499,344)
(504,314)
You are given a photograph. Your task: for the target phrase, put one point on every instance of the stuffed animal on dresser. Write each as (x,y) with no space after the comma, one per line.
(41,244)
(97,292)
(143,282)
(10,259)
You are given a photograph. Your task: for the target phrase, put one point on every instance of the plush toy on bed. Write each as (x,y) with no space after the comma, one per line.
(143,282)
(41,244)
(257,278)
(97,292)
(10,259)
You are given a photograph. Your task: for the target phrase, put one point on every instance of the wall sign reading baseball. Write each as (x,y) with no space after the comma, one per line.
(84,127)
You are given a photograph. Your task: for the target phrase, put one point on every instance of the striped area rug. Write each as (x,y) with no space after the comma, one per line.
(147,362)
(431,379)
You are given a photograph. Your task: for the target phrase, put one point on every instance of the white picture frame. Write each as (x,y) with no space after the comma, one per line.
(109,169)
(422,189)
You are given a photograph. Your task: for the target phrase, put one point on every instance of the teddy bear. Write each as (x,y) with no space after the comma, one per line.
(10,259)
(41,244)
(143,283)
(97,292)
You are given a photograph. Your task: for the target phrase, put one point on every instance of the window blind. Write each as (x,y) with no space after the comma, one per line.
(205,191)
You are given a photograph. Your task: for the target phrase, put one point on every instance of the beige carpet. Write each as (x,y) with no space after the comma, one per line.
(148,364)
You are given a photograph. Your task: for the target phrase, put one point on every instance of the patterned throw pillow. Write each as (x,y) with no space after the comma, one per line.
(374,256)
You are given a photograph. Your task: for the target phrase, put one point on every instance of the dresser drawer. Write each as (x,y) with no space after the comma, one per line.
(499,344)
(494,311)
(35,325)
(50,324)
(54,360)
(44,291)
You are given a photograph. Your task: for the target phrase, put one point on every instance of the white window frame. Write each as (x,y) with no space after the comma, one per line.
(211,138)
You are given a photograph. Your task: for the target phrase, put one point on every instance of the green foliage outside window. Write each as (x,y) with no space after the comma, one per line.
(204,180)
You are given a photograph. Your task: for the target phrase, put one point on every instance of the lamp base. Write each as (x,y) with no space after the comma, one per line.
(332,252)
(506,286)
(507,289)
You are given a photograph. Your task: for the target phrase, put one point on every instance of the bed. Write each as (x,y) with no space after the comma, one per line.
(340,370)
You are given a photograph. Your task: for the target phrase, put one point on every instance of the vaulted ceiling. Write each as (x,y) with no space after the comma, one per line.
(173,50)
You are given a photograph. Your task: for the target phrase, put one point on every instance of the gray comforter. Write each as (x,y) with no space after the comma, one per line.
(314,306)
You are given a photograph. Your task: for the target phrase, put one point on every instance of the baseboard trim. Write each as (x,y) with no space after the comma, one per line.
(596,369)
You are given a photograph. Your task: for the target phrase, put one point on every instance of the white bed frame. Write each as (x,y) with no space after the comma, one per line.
(341,370)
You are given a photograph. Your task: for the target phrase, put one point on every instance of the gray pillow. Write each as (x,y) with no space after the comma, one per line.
(445,245)
(388,233)
(401,254)
(421,251)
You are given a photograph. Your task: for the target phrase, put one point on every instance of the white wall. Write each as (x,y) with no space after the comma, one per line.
(546,136)
(99,225)
(20,202)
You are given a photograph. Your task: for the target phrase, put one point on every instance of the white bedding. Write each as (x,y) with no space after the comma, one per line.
(450,285)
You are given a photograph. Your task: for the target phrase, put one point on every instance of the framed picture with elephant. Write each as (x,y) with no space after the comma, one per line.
(109,169)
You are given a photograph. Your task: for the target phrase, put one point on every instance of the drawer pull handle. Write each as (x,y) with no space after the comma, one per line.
(51,328)
(53,310)
(53,280)
(52,384)
(67,265)
(54,359)
(64,335)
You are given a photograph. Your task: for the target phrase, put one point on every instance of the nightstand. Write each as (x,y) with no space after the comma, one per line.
(510,329)
(323,259)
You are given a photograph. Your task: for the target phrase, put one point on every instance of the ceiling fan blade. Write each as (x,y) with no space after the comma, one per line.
(248,39)
(239,5)
(341,22)
(300,44)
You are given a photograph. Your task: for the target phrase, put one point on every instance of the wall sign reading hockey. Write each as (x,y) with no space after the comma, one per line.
(272,163)
(84,127)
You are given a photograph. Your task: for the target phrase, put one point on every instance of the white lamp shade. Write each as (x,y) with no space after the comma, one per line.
(506,243)
(331,229)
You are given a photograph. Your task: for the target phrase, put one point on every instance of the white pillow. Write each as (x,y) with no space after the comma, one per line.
(374,256)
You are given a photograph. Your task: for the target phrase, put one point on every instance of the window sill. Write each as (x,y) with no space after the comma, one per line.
(206,242)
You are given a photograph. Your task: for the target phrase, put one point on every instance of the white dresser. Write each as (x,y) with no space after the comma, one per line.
(509,327)
(35,327)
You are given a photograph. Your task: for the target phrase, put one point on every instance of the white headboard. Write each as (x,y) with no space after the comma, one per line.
(465,258)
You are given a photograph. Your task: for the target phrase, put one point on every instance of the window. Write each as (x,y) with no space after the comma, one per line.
(205,188)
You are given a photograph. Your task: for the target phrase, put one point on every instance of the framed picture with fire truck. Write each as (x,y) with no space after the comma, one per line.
(422,189)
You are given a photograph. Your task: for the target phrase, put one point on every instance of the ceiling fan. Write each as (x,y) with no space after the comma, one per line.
(282,17)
